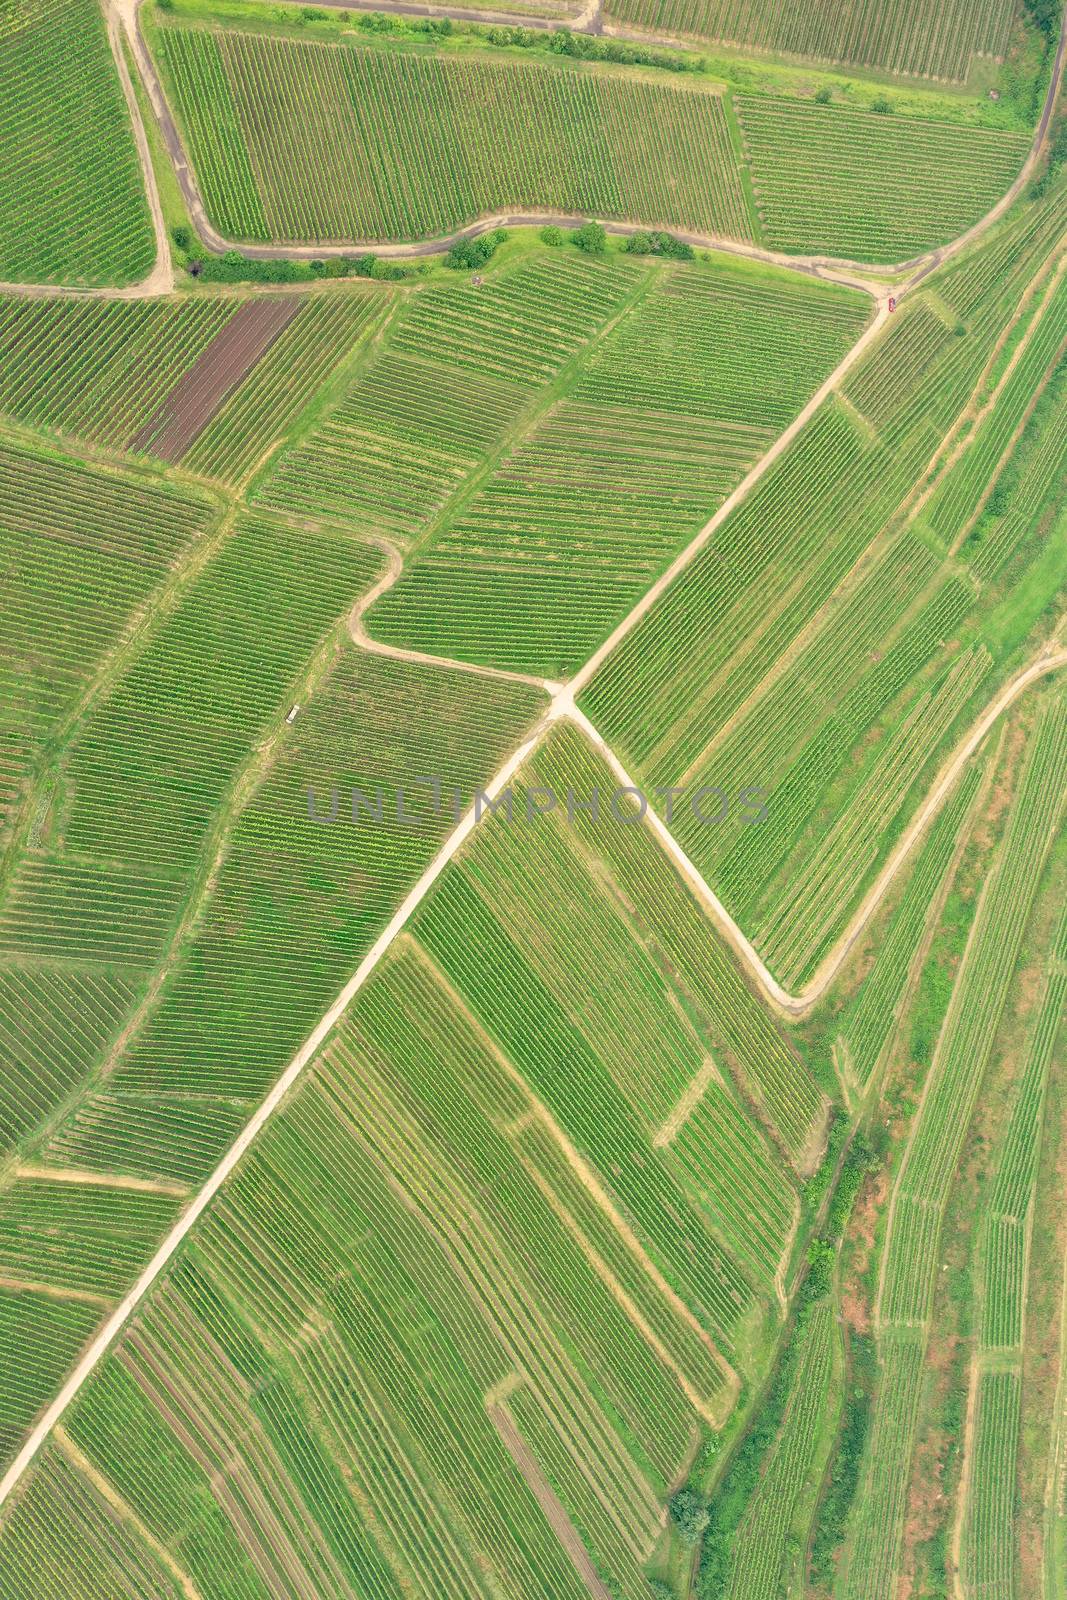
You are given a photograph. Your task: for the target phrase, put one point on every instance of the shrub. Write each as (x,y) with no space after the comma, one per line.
(552,235)
(882,105)
(591,238)
(824,95)
(657,243)
(182,236)
(471,253)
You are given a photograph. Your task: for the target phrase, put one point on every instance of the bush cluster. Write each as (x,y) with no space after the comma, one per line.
(655,243)
(470,254)
(233,267)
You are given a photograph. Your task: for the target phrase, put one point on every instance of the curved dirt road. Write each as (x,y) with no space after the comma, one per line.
(835,269)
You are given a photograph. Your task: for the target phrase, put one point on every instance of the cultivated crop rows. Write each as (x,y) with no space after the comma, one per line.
(325,329)
(989,1541)
(967,1037)
(98,369)
(398,444)
(523,874)
(762,1545)
(870,187)
(309,141)
(83,550)
(739,1030)
(72,204)
(1034,477)
(297,901)
(347,1255)
(772,653)
(105,370)
(1009,1215)
(533,570)
(917,37)
(867,1025)
(931,1160)
(957,498)
(39,1337)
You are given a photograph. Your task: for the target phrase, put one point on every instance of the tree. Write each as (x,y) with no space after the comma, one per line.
(689,1515)
(474,253)
(591,238)
(182,236)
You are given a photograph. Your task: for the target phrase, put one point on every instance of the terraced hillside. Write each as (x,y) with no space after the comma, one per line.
(72,202)
(533,849)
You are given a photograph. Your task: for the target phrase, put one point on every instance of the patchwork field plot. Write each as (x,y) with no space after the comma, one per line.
(760,666)
(407,146)
(470,1227)
(82,549)
(912,1250)
(508,1222)
(857,184)
(72,204)
(532,567)
(389,455)
(212,379)
(916,37)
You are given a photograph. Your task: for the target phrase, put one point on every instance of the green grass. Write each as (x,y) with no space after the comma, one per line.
(72,203)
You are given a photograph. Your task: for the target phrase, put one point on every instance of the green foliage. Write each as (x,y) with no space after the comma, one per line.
(182,236)
(832,1516)
(689,1515)
(233,267)
(1045,15)
(474,253)
(551,235)
(882,105)
(824,96)
(592,238)
(657,243)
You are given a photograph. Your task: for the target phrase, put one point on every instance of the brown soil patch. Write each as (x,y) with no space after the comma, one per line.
(547,1499)
(863,1228)
(214,375)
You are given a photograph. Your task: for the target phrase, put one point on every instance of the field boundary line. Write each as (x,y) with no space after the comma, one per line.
(561,706)
(160,281)
(41,1172)
(113,1325)
(837,268)
(124,1511)
(357,629)
(797,1005)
